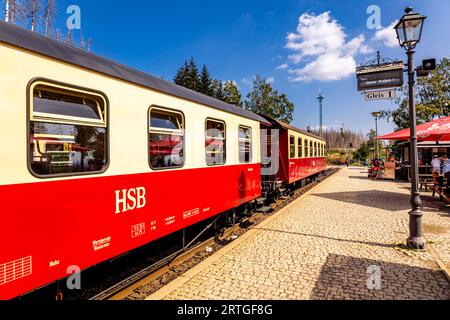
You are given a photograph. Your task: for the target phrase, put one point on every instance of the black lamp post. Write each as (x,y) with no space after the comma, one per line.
(409,33)
(376,115)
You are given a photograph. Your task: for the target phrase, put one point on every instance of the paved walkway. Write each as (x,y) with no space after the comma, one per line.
(336,242)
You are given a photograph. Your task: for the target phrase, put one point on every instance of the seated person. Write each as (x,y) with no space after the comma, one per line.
(436,164)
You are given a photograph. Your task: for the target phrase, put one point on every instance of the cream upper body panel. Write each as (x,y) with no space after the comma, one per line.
(128,118)
(319,145)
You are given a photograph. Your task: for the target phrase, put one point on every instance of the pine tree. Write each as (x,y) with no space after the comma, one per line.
(187,76)
(181,77)
(193,77)
(218,90)
(205,84)
(231,94)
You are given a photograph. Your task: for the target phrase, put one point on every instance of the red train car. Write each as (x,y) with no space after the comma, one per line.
(300,155)
(97,159)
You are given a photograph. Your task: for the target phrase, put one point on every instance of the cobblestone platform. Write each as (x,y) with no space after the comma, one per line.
(339,241)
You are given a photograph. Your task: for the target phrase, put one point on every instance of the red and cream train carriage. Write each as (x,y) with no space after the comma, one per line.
(97,159)
(300,155)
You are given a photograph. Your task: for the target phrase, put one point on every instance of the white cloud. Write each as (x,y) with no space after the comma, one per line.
(270,80)
(283,66)
(316,35)
(320,42)
(356,46)
(387,35)
(247,82)
(327,67)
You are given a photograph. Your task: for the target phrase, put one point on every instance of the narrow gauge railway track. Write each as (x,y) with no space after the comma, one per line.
(152,278)
(122,289)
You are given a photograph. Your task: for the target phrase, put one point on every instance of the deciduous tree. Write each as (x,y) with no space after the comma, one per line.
(7,10)
(263,99)
(39,16)
(12,10)
(432,98)
(32,13)
(49,17)
(340,138)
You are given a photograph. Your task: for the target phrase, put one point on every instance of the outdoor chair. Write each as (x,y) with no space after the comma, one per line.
(439,187)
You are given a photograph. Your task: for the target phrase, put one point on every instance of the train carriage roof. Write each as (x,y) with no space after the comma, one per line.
(31,41)
(276,123)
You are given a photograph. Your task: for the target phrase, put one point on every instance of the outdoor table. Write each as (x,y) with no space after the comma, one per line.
(422,170)
(424,180)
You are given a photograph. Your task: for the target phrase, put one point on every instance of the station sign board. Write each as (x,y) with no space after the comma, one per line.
(382,76)
(380,95)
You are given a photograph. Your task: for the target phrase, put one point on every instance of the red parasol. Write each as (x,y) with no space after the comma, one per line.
(437,130)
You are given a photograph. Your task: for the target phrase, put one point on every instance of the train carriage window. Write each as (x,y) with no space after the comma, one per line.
(292,147)
(311,149)
(245,144)
(306,148)
(68,131)
(300,148)
(166,138)
(316,151)
(215,142)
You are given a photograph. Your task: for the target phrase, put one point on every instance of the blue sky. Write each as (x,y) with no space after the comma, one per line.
(240,39)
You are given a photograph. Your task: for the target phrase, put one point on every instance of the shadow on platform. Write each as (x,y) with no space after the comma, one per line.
(370,243)
(349,278)
(367,178)
(389,201)
(358,169)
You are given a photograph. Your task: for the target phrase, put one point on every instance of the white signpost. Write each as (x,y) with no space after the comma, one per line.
(379,95)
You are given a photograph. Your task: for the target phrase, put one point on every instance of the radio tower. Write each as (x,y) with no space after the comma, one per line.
(321,97)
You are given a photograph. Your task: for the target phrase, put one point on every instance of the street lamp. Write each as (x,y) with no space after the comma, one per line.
(409,33)
(376,115)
